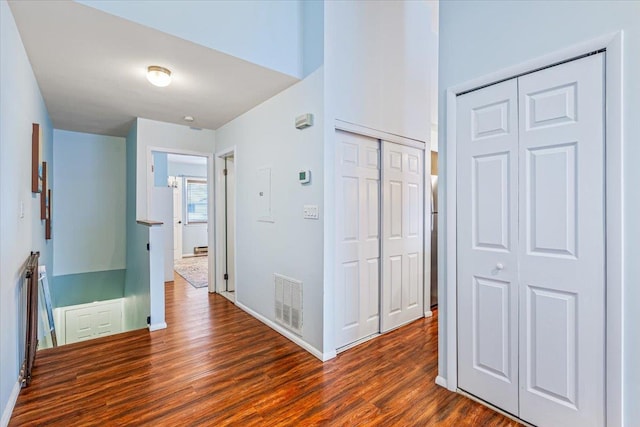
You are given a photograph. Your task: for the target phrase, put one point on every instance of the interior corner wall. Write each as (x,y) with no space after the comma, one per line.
(290,245)
(89,172)
(21,229)
(377,64)
(471,32)
(152,133)
(137,286)
(267,33)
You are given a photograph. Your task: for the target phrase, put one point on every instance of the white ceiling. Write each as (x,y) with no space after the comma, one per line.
(91,69)
(183,158)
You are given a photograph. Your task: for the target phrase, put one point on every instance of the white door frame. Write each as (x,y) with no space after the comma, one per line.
(410,142)
(220,217)
(210,196)
(614,142)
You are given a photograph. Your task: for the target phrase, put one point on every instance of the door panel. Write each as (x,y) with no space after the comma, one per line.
(487,232)
(562,270)
(357,237)
(403,235)
(177,219)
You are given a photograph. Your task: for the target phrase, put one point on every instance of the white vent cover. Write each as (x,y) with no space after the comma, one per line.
(289,302)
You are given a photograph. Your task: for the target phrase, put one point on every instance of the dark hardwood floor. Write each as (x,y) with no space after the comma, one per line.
(216,365)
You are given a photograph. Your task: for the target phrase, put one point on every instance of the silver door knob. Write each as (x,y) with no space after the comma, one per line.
(499,266)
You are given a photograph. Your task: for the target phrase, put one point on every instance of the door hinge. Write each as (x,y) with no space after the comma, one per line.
(147,246)
(148,320)
(224,172)
(151,168)
(226,276)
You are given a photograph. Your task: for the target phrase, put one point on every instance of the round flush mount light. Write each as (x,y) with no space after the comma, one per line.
(158,76)
(188,119)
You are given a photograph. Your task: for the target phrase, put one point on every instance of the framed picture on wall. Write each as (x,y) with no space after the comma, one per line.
(43,195)
(47,224)
(36,155)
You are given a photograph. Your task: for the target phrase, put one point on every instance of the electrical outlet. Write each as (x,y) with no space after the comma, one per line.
(310,212)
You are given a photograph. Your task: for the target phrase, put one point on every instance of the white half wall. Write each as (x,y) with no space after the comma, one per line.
(90,175)
(481,37)
(265,137)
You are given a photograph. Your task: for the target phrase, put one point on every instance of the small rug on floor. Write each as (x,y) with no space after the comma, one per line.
(193,269)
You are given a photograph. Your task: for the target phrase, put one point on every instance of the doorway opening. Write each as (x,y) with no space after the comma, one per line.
(180,198)
(226,220)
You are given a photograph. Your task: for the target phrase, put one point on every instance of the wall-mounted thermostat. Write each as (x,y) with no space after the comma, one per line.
(304,177)
(304,121)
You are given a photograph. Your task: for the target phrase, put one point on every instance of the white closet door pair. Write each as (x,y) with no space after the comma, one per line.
(531,236)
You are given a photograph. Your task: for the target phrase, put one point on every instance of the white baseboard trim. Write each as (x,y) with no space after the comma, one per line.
(428,313)
(287,334)
(441,381)
(157,326)
(11,403)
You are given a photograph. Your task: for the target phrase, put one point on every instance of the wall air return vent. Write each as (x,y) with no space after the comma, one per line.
(288,301)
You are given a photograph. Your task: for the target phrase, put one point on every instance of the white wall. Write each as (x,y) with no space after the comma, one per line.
(267,33)
(479,37)
(151,133)
(90,176)
(21,104)
(377,64)
(291,245)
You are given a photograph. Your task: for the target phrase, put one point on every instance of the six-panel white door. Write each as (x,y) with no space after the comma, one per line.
(357,283)
(487,244)
(531,262)
(561,253)
(403,235)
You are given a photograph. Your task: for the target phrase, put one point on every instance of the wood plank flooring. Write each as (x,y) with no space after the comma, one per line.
(216,365)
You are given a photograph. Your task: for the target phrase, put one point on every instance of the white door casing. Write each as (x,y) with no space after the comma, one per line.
(402,299)
(177,219)
(562,238)
(558,274)
(487,244)
(357,283)
(230,218)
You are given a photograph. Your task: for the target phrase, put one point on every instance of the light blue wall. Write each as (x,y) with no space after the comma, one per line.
(312,35)
(291,245)
(21,229)
(136,289)
(479,37)
(160,171)
(267,33)
(89,172)
(72,289)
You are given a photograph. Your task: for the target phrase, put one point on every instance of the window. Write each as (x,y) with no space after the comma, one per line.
(196,201)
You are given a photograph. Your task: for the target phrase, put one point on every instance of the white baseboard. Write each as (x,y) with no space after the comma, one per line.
(157,326)
(428,313)
(287,334)
(441,381)
(11,403)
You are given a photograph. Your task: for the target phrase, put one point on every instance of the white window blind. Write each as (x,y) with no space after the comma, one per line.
(196,200)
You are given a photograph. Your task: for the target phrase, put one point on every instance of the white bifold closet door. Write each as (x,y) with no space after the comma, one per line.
(402,235)
(357,274)
(531,235)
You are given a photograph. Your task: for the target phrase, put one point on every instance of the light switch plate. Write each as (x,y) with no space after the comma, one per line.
(310,212)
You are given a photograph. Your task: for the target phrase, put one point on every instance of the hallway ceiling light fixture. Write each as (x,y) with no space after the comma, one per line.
(158,76)
(188,119)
